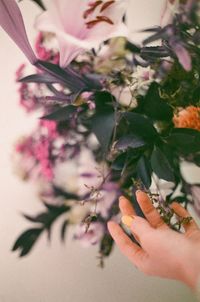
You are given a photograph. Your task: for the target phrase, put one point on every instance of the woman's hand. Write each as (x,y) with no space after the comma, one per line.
(162,251)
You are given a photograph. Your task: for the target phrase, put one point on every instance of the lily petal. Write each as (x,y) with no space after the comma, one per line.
(12,22)
(74,36)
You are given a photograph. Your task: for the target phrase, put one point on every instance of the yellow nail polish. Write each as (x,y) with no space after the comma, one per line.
(127,220)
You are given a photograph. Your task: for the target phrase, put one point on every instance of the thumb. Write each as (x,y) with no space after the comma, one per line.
(141,227)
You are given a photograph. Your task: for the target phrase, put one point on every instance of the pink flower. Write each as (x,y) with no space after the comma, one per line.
(81,24)
(92,236)
(12,22)
(44,53)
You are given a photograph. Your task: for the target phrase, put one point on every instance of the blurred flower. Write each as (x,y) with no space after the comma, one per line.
(188,118)
(96,22)
(77,213)
(141,79)
(195,190)
(124,96)
(12,22)
(108,196)
(28,93)
(111,56)
(161,187)
(44,48)
(92,236)
(89,172)
(136,84)
(40,151)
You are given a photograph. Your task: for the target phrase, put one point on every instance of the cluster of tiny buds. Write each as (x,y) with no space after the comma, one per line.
(102,5)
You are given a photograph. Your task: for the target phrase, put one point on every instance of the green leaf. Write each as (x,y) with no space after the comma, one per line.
(103,101)
(141,126)
(184,140)
(46,219)
(161,165)
(40,3)
(102,126)
(59,192)
(130,141)
(27,240)
(119,162)
(132,47)
(155,107)
(144,171)
(62,114)
(63,229)
(106,245)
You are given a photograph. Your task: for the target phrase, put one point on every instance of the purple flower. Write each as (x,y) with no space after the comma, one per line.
(108,196)
(12,22)
(92,236)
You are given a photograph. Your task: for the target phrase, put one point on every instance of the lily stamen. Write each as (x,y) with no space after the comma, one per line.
(92,8)
(106,5)
(99,19)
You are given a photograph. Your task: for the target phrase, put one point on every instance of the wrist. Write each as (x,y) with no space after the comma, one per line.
(191,275)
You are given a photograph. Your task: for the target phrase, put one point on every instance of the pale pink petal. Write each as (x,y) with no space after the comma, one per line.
(65,20)
(12,22)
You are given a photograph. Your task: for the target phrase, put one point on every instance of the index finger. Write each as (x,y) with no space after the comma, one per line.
(131,250)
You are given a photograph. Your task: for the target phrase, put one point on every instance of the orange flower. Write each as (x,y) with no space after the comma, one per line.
(188,117)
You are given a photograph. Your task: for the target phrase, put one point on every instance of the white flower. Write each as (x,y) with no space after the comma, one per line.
(81,24)
(141,80)
(66,176)
(195,190)
(124,96)
(162,187)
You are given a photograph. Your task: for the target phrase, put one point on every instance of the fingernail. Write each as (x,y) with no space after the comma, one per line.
(121,197)
(127,220)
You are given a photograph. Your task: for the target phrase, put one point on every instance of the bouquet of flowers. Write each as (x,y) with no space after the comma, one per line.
(115,116)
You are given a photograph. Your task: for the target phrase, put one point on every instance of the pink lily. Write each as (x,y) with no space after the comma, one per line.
(80,25)
(12,22)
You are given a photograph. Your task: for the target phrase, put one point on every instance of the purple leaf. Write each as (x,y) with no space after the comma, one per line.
(183,55)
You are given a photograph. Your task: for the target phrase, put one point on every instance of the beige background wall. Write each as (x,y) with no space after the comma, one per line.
(58,272)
